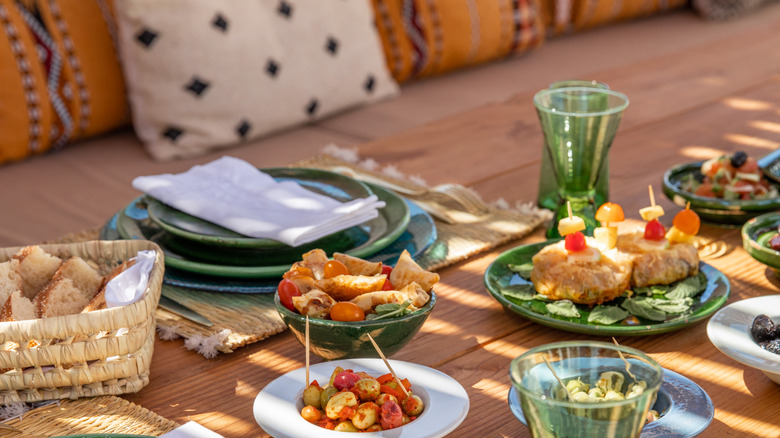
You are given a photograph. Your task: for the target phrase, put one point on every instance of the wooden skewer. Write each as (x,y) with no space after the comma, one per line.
(568,394)
(307,351)
(568,206)
(395,376)
(688,205)
(628,365)
(652,196)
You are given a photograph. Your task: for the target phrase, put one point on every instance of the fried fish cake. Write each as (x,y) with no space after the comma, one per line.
(590,278)
(658,263)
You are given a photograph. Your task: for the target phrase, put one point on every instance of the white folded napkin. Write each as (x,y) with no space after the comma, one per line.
(129,286)
(191,429)
(235,195)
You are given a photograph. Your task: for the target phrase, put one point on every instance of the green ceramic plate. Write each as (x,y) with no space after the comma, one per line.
(199,231)
(133,223)
(104,435)
(757,233)
(713,210)
(498,276)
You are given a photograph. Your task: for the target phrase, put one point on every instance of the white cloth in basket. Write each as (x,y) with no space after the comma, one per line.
(191,429)
(235,195)
(129,286)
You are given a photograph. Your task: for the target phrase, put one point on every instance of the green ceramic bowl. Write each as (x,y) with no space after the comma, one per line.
(713,210)
(757,233)
(344,340)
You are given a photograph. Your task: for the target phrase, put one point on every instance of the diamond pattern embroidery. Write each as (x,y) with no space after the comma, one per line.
(272,68)
(146,37)
(220,22)
(243,128)
(285,9)
(172,133)
(311,108)
(197,86)
(332,46)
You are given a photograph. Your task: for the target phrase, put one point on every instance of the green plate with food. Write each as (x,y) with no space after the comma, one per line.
(761,239)
(636,311)
(726,190)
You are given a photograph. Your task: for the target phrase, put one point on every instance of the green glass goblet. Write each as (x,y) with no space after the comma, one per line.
(579,124)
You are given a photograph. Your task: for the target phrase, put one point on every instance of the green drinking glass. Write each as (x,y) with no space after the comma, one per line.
(548,187)
(579,124)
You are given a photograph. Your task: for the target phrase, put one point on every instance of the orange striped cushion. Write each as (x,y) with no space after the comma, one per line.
(428,37)
(564,16)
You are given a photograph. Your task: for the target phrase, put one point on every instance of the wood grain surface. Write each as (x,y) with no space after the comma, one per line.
(721,95)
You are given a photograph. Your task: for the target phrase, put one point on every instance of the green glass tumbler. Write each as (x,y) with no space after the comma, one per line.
(548,187)
(579,124)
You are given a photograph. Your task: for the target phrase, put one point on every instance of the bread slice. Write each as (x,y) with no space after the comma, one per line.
(84,277)
(10,279)
(58,298)
(17,308)
(36,267)
(98,302)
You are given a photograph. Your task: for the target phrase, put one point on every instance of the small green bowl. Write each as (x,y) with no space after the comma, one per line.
(716,211)
(332,340)
(757,233)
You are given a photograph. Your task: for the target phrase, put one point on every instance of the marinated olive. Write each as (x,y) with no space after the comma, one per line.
(311,395)
(346,426)
(738,159)
(366,389)
(326,394)
(334,409)
(311,414)
(384,397)
(412,405)
(390,415)
(772,346)
(374,428)
(345,380)
(763,328)
(366,415)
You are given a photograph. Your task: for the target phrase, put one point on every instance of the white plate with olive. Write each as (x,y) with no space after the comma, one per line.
(277,408)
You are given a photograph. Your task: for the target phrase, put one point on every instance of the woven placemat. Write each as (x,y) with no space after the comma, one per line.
(241,319)
(105,414)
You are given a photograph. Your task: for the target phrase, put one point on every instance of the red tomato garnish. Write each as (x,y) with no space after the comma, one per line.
(705,189)
(334,268)
(750,166)
(287,290)
(346,311)
(654,230)
(387,285)
(387,270)
(687,221)
(575,242)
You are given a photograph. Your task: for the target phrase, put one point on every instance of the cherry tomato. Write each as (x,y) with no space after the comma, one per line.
(387,285)
(750,166)
(610,212)
(687,221)
(387,270)
(287,290)
(346,311)
(654,230)
(334,268)
(705,189)
(345,379)
(575,242)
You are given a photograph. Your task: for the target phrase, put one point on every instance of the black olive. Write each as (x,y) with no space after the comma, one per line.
(772,346)
(738,159)
(763,328)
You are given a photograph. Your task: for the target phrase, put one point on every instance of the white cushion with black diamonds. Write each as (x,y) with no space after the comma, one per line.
(205,74)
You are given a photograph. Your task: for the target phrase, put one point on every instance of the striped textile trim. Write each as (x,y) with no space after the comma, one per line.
(438,35)
(395,50)
(53,79)
(526,33)
(28,82)
(414,31)
(78,75)
(105,12)
(475,30)
(507,22)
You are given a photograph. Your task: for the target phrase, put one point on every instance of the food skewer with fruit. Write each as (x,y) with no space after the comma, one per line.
(608,214)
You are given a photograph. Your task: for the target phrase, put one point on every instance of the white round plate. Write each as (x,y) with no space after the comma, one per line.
(277,407)
(729,331)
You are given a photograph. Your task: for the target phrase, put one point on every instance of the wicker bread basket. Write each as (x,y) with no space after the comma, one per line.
(96,353)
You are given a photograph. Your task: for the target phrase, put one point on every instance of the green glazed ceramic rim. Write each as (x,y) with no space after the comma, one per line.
(160,213)
(719,211)
(756,234)
(499,270)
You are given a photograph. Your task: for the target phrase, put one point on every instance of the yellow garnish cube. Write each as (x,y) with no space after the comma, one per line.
(650,213)
(676,236)
(607,236)
(570,225)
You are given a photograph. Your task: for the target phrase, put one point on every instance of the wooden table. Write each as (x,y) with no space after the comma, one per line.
(687,105)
